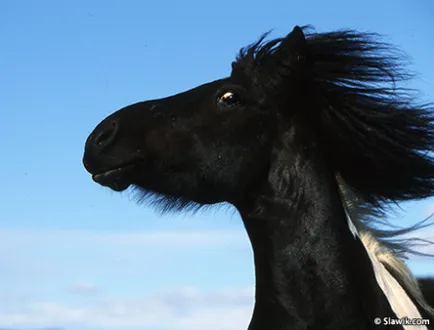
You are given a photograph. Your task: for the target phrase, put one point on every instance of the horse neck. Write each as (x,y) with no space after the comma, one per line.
(310,268)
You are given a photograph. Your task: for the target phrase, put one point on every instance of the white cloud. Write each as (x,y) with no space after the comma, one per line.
(40,264)
(107,270)
(176,309)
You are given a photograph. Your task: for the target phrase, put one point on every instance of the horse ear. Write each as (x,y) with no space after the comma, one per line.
(294,46)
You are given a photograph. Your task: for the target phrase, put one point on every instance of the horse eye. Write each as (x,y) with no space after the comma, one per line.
(228,98)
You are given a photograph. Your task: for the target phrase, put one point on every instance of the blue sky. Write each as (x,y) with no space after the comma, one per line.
(78,256)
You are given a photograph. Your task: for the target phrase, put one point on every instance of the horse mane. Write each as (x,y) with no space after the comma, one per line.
(376,136)
(373,132)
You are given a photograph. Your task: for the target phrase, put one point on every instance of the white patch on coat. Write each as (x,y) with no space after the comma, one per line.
(397,297)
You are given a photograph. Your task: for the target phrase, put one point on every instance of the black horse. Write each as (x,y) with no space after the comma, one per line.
(311,137)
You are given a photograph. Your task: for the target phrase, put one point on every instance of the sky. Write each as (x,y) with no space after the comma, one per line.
(75,255)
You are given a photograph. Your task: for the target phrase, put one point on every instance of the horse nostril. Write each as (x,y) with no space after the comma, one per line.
(107,135)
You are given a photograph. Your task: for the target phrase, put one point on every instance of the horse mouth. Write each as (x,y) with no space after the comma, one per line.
(115,178)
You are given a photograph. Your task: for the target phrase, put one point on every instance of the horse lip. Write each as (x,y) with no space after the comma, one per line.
(114,178)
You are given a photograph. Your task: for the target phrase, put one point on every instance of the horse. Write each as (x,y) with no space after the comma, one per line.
(312,137)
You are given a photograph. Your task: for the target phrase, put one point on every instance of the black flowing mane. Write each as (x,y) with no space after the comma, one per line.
(373,132)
